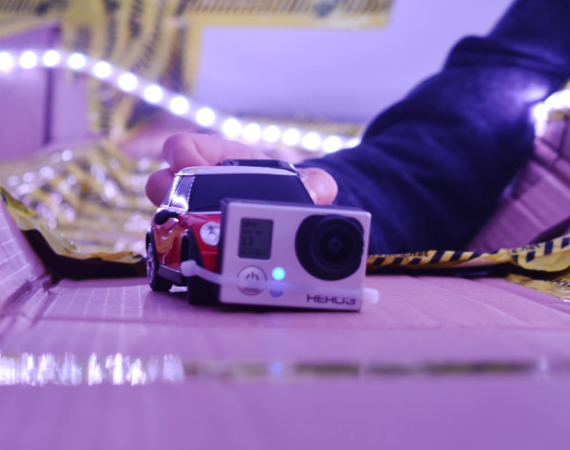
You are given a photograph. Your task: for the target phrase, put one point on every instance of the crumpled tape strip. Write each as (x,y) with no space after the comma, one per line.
(549,256)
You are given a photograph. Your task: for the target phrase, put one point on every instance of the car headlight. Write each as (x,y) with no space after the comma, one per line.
(210,233)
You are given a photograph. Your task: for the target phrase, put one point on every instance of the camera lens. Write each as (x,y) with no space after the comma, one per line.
(330,247)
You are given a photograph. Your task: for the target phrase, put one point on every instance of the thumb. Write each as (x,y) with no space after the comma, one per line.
(320,184)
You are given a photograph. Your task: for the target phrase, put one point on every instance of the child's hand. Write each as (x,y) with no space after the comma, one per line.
(186,150)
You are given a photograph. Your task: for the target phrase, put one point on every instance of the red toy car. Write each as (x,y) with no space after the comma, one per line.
(187,224)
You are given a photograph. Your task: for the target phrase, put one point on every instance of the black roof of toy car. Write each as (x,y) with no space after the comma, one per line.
(269,163)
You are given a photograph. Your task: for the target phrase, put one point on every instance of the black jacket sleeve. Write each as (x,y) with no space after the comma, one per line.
(431,168)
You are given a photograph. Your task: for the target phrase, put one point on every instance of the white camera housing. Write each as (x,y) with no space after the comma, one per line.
(300,256)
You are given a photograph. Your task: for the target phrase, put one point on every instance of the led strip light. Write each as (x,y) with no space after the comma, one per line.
(205,116)
(232,127)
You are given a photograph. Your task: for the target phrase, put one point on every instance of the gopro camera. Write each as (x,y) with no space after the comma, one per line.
(292,255)
(271,246)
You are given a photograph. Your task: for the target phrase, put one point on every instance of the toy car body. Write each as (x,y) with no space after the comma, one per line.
(187,223)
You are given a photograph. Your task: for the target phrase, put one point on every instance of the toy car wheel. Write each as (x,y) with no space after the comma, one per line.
(157,283)
(199,290)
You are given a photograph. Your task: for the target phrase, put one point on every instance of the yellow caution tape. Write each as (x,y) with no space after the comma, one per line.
(550,256)
(86,202)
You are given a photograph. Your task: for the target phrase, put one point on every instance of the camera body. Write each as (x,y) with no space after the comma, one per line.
(293,255)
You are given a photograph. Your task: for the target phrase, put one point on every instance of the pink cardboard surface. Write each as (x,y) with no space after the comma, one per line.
(437,362)
(21,271)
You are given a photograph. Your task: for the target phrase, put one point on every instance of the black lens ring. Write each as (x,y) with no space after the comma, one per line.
(308,245)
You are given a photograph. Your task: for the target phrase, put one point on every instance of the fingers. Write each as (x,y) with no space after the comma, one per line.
(321,185)
(157,185)
(180,151)
(187,150)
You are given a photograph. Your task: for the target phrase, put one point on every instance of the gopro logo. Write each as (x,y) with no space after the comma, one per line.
(331,299)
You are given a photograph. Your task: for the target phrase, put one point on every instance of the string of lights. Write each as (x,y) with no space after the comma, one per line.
(209,118)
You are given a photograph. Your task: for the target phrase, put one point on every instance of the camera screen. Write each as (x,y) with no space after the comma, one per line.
(255,238)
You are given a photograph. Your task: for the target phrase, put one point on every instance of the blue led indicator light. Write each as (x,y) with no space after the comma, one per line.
(278,273)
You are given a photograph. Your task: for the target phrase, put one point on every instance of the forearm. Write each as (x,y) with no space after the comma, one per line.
(431,168)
